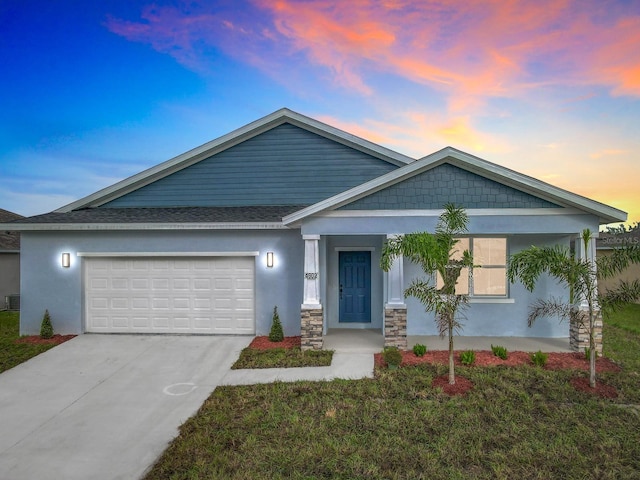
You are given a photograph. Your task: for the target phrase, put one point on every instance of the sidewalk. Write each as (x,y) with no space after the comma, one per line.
(348,366)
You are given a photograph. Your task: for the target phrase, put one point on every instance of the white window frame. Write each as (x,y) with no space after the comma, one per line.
(484,298)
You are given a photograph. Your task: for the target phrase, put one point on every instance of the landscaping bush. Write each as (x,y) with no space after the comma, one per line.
(499,351)
(539,358)
(46,329)
(392,356)
(276,334)
(419,350)
(468,357)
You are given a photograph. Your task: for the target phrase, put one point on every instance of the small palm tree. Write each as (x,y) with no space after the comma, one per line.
(580,276)
(436,253)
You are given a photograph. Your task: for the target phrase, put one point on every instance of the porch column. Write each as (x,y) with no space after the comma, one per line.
(311,310)
(579,331)
(395,310)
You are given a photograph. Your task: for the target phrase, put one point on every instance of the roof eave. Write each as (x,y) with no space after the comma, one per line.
(605,213)
(35,227)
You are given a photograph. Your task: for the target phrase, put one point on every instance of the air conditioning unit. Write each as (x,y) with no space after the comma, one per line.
(12,302)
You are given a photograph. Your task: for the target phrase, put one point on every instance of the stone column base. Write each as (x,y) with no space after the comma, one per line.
(395,328)
(311,329)
(579,334)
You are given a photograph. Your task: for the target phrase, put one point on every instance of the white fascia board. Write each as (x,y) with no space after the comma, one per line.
(473,164)
(168,254)
(25,227)
(229,140)
(479,212)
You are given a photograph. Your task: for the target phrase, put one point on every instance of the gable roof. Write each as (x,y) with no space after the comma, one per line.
(9,241)
(473,164)
(229,140)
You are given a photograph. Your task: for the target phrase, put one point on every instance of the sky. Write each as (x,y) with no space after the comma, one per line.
(92,92)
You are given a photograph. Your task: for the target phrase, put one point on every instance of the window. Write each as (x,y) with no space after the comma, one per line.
(490,280)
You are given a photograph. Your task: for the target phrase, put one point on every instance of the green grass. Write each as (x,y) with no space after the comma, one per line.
(11,353)
(283,357)
(627,318)
(526,423)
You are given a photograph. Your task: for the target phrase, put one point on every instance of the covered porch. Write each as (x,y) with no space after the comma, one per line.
(372,341)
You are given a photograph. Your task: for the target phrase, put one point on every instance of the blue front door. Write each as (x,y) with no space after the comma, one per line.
(355,286)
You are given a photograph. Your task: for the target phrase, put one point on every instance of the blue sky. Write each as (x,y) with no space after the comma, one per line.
(93,92)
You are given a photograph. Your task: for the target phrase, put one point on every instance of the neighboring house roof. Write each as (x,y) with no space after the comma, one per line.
(150,218)
(524,183)
(229,140)
(9,240)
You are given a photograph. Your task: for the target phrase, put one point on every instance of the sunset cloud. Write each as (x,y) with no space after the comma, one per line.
(471,52)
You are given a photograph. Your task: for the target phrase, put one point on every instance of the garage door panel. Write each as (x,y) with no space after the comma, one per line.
(174,295)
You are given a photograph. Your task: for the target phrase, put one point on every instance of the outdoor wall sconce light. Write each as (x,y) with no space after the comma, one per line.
(270,259)
(66,260)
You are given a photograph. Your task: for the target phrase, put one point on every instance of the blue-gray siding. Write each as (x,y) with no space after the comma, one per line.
(283,166)
(448,184)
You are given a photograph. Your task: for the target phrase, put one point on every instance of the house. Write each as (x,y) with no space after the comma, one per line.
(289,212)
(9,263)
(605,244)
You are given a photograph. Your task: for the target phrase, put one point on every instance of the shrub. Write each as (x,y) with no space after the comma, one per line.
(468,357)
(419,350)
(392,356)
(46,329)
(587,353)
(499,351)
(539,358)
(276,334)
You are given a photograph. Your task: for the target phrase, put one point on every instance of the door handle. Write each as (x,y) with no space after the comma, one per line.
(340,291)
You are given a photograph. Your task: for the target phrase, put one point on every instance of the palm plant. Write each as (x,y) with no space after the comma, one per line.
(436,253)
(580,275)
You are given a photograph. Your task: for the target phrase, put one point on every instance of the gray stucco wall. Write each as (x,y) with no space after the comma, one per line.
(479,224)
(497,319)
(46,285)
(9,275)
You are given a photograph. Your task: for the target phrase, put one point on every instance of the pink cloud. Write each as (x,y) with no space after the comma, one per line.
(470,52)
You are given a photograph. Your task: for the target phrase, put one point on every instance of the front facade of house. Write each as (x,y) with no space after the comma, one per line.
(289,212)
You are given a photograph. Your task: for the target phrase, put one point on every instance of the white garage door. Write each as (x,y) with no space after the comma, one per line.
(170,295)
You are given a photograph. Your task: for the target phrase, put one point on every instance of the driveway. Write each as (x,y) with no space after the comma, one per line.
(105,406)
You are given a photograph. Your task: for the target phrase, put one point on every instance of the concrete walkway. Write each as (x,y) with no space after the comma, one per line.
(349,366)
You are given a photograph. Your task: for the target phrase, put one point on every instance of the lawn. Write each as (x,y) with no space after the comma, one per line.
(282,358)
(521,422)
(11,353)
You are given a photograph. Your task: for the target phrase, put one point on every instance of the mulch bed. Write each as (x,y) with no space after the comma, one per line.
(37,340)
(602,390)
(263,343)
(461,387)
(485,358)
(555,361)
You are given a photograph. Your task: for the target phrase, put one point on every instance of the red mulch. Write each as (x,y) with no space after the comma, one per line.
(263,343)
(461,387)
(602,390)
(485,358)
(37,340)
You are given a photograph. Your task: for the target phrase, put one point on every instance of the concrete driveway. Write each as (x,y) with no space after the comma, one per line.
(105,406)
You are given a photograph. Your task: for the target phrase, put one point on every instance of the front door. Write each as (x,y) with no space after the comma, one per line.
(355,287)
